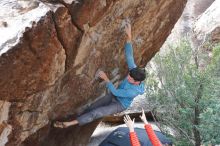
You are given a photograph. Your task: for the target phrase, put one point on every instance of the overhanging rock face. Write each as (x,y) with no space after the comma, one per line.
(47,73)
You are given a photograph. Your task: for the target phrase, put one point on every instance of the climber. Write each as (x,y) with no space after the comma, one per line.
(133,137)
(119,98)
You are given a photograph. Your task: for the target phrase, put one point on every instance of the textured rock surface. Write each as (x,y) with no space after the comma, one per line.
(49,74)
(5,129)
(185,25)
(199,24)
(208,24)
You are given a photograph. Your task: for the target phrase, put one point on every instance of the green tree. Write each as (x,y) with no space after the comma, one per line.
(185,95)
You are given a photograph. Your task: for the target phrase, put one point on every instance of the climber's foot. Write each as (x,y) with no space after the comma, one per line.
(60,124)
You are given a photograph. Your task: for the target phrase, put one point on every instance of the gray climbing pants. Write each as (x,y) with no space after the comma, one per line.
(107,105)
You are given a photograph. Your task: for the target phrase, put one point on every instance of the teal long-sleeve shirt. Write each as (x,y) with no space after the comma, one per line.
(126,92)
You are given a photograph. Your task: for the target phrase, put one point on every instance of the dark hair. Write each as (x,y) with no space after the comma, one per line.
(138,74)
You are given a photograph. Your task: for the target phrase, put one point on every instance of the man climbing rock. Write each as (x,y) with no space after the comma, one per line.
(119,98)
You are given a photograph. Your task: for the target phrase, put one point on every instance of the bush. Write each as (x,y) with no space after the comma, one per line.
(185,93)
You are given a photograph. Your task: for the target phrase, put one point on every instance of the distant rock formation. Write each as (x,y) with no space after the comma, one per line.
(199,22)
(207,25)
(51,50)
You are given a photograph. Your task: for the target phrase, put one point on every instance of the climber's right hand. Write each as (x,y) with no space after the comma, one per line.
(103,76)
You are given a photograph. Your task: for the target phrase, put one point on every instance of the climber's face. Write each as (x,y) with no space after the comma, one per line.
(132,81)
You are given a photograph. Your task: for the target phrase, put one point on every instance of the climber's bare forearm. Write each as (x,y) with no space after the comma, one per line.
(128,33)
(129,39)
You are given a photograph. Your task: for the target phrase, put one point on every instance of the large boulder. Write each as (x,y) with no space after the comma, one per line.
(51,50)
